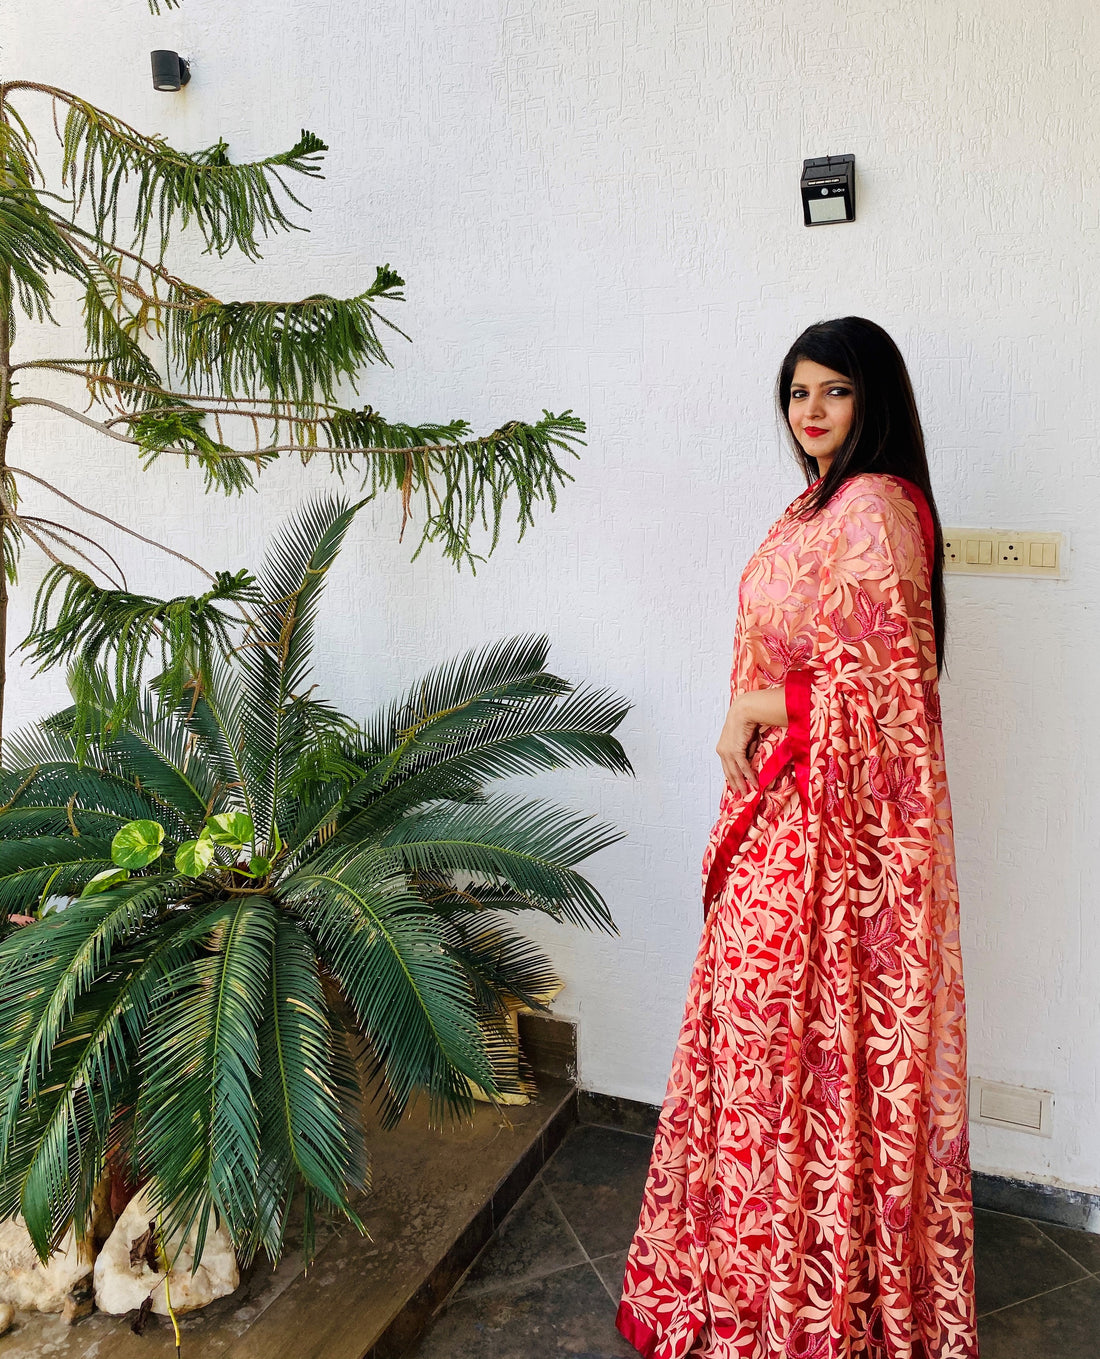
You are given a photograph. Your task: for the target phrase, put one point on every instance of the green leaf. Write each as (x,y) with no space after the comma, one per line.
(197,1126)
(233,829)
(259,866)
(194,857)
(102,882)
(137,844)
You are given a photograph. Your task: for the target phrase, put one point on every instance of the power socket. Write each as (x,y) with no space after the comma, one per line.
(1002,552)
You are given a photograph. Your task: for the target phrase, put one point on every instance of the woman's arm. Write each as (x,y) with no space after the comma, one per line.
(748,711)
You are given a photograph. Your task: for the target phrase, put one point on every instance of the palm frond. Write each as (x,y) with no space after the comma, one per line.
(57,865)
(409,995)
(503,732)
(469,689)
(498,961)
(153,749)
(530,845)
(46,966)
(278,721)
(56,1143)
(81,787)
(24,821)
(198,1131)
(304,1133)
(211,712)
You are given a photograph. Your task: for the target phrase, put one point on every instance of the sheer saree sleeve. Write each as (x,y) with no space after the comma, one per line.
(858,711)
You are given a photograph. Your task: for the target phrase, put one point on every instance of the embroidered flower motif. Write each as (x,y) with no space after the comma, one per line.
(923,1309)
(876,1331)
(706,1209)
(826,1071)
(879,940)
(892,781)
(802,1346)
(956,1155)
(871,618)
(832,776)
(896,1214)
(931,691)
(795,651)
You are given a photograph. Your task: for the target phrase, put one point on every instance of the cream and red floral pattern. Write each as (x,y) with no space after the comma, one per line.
(808,1196)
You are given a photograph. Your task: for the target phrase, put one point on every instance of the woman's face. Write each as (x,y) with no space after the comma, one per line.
(820,410)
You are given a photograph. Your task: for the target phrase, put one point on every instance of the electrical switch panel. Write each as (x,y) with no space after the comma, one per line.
(1002,552)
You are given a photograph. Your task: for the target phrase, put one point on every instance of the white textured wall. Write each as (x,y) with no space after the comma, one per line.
(596,206)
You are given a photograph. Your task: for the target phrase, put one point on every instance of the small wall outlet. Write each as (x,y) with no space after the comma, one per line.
(1017,1107)
(1002,552)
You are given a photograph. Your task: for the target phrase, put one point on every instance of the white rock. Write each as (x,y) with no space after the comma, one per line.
(7,1317)
(120,1286)
(26,1282)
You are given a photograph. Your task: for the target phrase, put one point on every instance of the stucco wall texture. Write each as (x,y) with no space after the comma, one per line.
(596,206)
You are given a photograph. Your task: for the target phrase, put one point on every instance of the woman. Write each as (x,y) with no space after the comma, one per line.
(808,1195)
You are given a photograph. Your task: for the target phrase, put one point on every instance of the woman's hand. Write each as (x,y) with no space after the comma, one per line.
(740,734)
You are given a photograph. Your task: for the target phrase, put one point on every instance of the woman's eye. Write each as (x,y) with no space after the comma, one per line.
(840,391)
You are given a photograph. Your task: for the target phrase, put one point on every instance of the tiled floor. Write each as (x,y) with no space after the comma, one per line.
(547,1284)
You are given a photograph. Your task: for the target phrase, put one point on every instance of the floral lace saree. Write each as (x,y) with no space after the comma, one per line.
(808,1195)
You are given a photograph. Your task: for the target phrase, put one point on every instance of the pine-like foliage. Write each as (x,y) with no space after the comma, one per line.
(171,370)
(221,1030)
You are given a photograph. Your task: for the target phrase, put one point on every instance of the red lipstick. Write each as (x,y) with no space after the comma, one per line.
(813,430)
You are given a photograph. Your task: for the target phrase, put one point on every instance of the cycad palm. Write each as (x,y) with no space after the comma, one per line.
(196,1024)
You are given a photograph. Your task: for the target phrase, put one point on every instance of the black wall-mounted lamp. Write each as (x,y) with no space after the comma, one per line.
(170,70)
(829,190)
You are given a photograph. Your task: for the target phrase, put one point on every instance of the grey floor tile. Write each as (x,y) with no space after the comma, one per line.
(1083,1246)
(611,1269)
(1013,1260)
(564,1313)
(1063,1324)
(596,1177)
(532,1240)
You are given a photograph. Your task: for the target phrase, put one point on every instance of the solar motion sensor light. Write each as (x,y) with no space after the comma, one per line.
(170,70)
(829,190)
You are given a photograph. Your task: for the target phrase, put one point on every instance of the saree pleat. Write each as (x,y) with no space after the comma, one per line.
(808,1195)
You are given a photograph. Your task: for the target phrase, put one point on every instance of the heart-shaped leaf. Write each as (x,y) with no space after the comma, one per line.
(102,882)
(230,828)
(137,844)
(259,866)
(194,857)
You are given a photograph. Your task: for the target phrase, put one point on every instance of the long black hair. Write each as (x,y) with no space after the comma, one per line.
(886,433)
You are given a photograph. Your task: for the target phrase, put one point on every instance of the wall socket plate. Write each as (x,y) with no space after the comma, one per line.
(1016,1107)
(1002,552)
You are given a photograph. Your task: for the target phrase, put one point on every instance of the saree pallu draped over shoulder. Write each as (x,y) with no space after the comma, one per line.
(808,1195)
